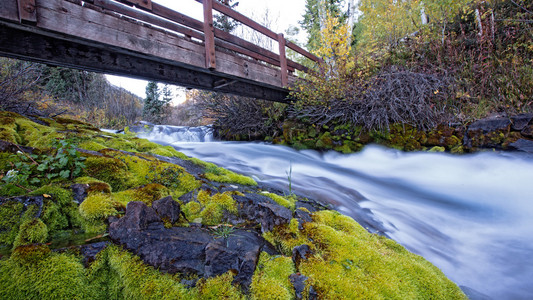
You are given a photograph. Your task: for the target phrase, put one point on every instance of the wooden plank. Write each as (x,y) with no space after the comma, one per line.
(243,19)
(177,17)
(209,36)
(146,17)
(9,10)
(27,11)
(17,42)
(283,60)
(302,51)
(133,36)
(146,4)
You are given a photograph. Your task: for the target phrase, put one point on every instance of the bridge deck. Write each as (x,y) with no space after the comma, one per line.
(145,40)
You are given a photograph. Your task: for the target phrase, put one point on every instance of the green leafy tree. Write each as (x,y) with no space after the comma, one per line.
(314,19)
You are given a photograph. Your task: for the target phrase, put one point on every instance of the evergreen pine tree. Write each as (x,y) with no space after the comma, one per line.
(152,109)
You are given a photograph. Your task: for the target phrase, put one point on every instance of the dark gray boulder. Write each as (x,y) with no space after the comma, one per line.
(187,250)
(167,208)
(520,121)
(262,210)
(138,217)
(239,252)
(491,124)
(522,145)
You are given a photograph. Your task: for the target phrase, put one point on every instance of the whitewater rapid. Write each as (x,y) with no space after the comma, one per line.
(470,215)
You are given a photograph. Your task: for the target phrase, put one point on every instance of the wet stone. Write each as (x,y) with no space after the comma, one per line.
(79,192)
(167,208)
(299,253)
(303,217)
(262,210)
(187,250)
(522,145)
(298,282)
(490,125)
(521,121)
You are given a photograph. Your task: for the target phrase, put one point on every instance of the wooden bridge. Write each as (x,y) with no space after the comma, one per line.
(141,39)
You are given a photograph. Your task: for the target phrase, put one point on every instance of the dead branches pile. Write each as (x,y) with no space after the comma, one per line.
(389,97)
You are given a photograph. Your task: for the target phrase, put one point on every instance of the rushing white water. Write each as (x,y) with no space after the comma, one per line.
(470,215)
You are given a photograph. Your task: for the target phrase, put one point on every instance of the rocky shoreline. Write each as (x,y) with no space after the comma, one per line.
(500,133)
(165,225)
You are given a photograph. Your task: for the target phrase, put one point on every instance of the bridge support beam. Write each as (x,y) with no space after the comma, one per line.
(21,42)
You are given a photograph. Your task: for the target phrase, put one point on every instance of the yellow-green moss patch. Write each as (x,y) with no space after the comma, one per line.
(351,263)
(271,278)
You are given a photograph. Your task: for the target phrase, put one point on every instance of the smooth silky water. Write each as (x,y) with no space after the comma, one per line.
(470,215)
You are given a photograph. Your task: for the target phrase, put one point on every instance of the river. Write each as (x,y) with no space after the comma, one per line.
(470,215)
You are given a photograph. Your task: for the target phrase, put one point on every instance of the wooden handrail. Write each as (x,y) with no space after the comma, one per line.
(161,16)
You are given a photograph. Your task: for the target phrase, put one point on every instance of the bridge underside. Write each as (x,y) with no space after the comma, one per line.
(110,44)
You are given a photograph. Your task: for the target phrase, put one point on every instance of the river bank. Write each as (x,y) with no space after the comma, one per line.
(215,233)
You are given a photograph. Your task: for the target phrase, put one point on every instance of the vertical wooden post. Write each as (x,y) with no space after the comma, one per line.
(283,60)
(27,11)
(209,34)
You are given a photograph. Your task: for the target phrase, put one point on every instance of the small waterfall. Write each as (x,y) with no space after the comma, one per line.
(470,215)
(171,134)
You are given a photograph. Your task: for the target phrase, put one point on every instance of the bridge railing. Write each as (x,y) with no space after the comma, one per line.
(191,28)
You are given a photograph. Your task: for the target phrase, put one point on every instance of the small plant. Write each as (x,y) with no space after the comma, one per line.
(289,177)
(222,231)
(66,164)
(33,170)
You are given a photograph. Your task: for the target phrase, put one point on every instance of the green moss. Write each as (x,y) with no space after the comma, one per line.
(59,209)
(109,170)
(143,145)
(214,173)
(30,232)
(210,209)
(98,206)
(121,275)
(95,185)
(9,134)
(219,287)
(289,202)
(145,169)
(36,135)
(192,210)
(325,141)
(286,237)
(147,194)
(351,263)
(214,207)
(270,280)
(91,145)
(33,272)
(95,209)
(10,219)
(168,151)
(10,190)
(437,149)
